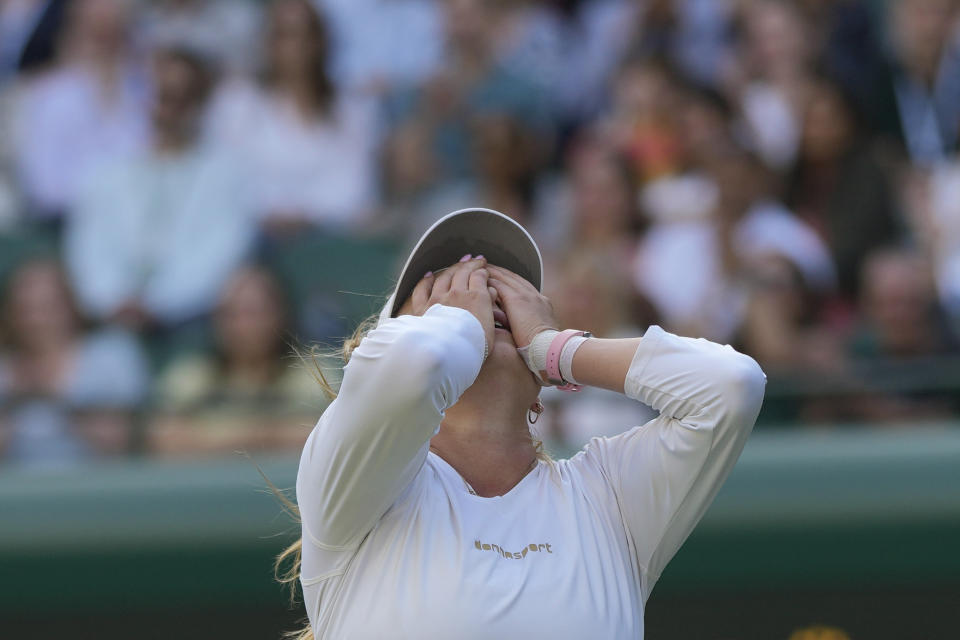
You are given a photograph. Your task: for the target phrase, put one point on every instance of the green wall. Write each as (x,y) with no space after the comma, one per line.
(858,528)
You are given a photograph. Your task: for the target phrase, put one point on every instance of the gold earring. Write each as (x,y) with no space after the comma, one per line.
(533,413)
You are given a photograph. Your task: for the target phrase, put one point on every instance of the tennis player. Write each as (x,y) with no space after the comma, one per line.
(427,510)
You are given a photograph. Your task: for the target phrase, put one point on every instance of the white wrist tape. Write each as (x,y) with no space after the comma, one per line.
(535,353)
(566,358)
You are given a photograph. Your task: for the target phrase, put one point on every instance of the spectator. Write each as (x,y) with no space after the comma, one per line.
(382,45)
(643,120)
(311,146)
(473,83)
(592,293)
(692,266)
(248,393)
(902,317)
(726,161)
(692,34)
(903,323)
(914,95)
(594,207)
(410,172)
(839,188)
(18,19)
(846,36)
(27,29)
(528,38)
(774,79)
(605,213)
(65,396)
(570,49)
(593,38)
(505,157)
(784,326)
(707,126)
(154,239)
(223,28)
(86,111)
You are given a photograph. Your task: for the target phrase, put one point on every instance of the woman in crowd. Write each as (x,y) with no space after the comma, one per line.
(840,186)
(770,80)
(311,146)
(86,110)
(65,395)
(248,393)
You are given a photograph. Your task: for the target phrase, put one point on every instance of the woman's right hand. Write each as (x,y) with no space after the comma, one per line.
(463,285)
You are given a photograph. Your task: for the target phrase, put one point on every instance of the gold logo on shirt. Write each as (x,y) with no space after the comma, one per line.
(533,547)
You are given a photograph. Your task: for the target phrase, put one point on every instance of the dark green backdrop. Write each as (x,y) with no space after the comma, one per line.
(854,528)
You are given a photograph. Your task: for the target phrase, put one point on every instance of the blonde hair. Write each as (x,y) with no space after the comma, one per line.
(286,567)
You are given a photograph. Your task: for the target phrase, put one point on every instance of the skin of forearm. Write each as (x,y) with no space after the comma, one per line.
(602,362)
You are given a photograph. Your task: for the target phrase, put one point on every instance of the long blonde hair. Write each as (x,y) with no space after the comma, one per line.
(286,567)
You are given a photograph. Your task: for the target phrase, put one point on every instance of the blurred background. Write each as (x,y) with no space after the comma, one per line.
(191,190)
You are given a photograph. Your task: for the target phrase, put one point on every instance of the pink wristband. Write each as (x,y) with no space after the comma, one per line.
(553,360)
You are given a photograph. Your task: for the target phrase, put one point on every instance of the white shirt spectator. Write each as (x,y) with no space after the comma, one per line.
(222,28)
(163,231)
(323,170)
(773,124)
(678,265)
(66,127)
(384,43)
(18,18)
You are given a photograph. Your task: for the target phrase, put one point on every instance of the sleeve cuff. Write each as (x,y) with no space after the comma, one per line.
(649,345)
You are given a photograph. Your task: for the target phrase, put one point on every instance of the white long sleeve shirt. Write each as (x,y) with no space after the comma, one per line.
(321,170)
(396,546)
(65,129)
(164,231)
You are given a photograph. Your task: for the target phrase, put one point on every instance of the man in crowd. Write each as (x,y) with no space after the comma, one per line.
(153,240)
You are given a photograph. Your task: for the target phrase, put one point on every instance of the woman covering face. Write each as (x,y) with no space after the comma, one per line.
(428,510)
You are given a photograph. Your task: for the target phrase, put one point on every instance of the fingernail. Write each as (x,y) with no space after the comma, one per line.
(465,258)
(480,257)
(428,274)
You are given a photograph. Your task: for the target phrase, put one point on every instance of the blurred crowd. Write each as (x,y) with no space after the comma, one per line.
(778,175)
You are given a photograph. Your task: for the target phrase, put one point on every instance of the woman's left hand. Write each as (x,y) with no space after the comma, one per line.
(528,311)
